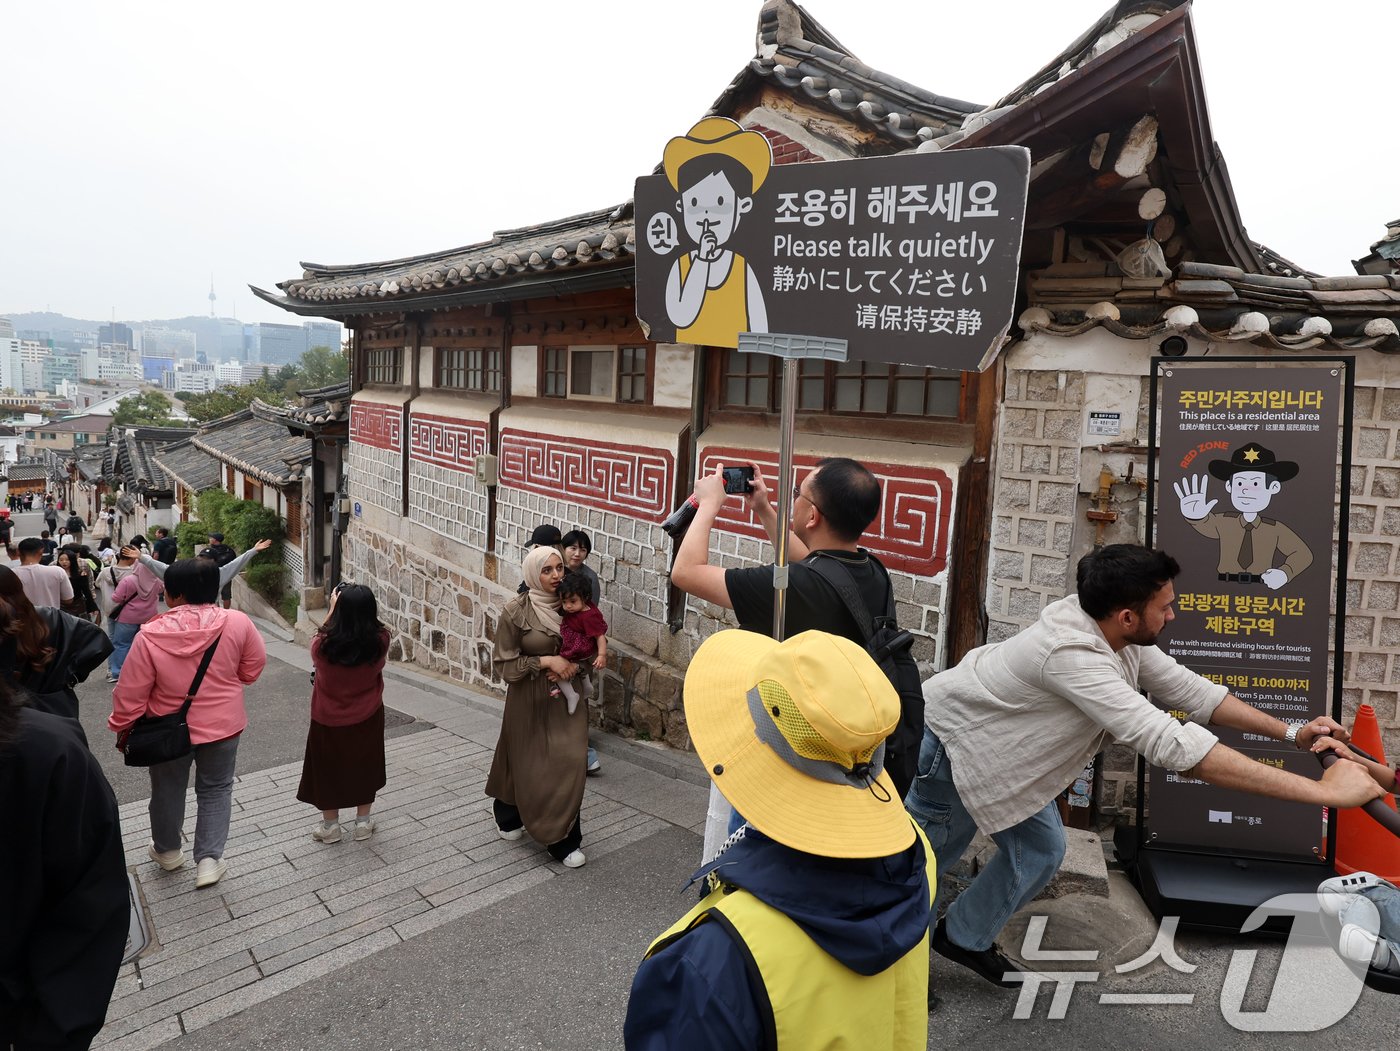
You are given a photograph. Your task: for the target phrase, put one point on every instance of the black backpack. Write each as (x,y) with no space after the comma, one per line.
(889,647)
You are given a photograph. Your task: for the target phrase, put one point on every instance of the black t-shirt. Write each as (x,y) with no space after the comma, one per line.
(812,603)
(165,550)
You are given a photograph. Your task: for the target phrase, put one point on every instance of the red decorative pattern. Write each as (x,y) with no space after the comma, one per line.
(627,479)
(445,441)
(917,502)
(379,425)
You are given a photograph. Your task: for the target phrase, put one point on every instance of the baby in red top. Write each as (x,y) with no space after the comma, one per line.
(584,632)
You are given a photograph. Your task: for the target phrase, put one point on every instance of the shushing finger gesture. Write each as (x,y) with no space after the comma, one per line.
(1192,493)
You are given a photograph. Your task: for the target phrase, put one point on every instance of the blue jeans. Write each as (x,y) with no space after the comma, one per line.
(122,636)
(1027,858)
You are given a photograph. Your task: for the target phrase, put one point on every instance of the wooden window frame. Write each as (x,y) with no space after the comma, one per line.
(452,369)
(557,356)
(829,378)
(384,366)
(611,395)
(647,373)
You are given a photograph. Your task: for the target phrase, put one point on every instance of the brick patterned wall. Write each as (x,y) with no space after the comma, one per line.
(376,477)
(443,494)
(785,150)
(1036,496)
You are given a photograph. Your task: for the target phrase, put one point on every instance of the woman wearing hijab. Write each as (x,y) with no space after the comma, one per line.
(538,773)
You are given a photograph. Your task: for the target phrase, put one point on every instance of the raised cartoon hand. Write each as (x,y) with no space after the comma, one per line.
(1192,494)
(709,247)
(1274,578)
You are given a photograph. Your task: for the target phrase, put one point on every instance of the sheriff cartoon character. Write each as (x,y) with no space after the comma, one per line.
(1250,544)
(711,293)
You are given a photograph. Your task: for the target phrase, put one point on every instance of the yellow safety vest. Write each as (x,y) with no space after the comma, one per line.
(815,1002)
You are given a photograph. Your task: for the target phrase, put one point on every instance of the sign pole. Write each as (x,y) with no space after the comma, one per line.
(780,542)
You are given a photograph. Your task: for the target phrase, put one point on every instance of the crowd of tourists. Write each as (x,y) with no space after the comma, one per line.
(842,786)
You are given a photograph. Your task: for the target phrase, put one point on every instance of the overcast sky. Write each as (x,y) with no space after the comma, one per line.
(148,146)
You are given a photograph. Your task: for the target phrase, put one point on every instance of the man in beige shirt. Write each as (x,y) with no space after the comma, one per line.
(1014,723)
(44,585)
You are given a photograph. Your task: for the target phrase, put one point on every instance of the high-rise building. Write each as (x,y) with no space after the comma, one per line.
(115,332)
(322,334)
(160,342)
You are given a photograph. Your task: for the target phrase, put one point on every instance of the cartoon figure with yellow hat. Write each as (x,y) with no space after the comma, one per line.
(711,294)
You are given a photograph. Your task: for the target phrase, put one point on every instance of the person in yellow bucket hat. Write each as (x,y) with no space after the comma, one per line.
(711,293)
(814,928)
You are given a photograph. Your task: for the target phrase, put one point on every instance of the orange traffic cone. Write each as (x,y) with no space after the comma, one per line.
(1362,844)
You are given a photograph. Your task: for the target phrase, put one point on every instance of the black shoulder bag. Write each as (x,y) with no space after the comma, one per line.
(156,739)
(888,646)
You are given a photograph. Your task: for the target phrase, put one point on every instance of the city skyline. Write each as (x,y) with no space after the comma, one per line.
(256,174)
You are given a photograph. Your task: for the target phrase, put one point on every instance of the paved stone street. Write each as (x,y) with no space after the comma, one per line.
(292,910)
(437,934)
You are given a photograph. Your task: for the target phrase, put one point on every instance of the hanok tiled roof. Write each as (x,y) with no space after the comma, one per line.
(325,407)
(1222,304)
(595,245)
(87,424)
(134,461)
(90,460)
(190,466)
(796,53)
(26,472)
(259,449)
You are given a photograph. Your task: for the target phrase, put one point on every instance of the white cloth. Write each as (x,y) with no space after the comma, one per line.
(1020,718)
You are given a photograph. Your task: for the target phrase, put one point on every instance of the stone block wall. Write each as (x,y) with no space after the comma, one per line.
(440,617)
(1035,497)
(1371,666)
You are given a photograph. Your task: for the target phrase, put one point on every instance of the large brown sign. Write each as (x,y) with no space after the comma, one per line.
(1246,469)
(910,259)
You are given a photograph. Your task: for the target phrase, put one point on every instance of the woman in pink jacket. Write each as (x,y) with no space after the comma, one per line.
(135,601)
(158,672)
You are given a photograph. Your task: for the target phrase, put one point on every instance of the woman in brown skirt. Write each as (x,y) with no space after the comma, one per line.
(538,772)
(344,764)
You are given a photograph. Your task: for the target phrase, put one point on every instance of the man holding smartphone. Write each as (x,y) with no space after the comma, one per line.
(832,506)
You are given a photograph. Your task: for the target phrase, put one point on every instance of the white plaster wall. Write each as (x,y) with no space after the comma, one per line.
(674,379)
(524,372)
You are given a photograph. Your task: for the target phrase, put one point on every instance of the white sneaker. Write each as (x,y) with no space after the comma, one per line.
(364,828)
(512,835)
(323,834)
(1333,894)
(595,767)
(170,860)
(1359,945)
(574,860)
(209,871)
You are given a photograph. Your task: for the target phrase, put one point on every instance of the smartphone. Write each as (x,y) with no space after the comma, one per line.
(738,480)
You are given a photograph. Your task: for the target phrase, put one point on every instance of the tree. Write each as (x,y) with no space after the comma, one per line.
(223,401)
(324,366)
(150,408)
